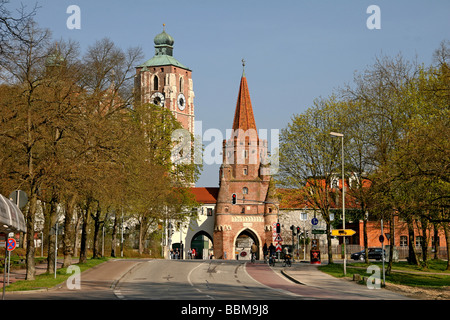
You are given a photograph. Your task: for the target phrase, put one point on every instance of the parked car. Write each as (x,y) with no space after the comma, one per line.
(374,253)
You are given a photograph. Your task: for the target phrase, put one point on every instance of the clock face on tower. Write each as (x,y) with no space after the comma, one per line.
(181,102)
(157,98)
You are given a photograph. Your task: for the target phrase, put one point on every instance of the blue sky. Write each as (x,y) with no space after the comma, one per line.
(295,50)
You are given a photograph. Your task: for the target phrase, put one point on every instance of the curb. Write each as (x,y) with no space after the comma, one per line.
(115,282)
(287,275)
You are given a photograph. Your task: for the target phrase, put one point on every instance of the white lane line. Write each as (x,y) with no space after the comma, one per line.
(118,294)
(190,282)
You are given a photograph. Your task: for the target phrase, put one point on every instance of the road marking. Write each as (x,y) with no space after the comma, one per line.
(190,282)
(118,294)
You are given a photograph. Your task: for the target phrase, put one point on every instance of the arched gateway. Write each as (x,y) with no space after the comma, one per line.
(202,243)
(243,243)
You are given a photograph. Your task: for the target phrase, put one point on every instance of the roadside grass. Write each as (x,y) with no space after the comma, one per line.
(47,280)
(435,276)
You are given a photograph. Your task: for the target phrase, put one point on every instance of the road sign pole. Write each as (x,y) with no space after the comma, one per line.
(9,264)
(4,269)
(304,243)
(293,242)
(382,251)
(56,245)
(121,237)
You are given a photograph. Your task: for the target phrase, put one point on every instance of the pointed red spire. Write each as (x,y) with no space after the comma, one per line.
(243,116)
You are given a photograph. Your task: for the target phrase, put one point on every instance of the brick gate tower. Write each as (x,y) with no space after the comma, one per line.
(246,173)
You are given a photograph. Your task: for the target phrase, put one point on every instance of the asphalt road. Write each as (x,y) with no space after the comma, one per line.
(205,280)
(197,280)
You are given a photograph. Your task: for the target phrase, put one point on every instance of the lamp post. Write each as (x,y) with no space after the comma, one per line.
(336,134)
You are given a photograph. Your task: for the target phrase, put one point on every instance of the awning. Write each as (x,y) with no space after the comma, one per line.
(11,218)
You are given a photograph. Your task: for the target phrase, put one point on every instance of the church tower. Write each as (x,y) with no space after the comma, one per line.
(164,81)
(246,173)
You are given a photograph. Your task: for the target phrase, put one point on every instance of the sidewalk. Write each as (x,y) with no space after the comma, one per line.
(20,274)
(310,276)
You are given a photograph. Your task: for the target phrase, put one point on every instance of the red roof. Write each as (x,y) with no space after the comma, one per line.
(205,195)
(243,116)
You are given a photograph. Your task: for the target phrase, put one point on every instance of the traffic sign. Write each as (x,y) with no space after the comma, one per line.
(343,232)
(314,221)
(278,238)
(274,231)
(278,247)
(318,231)
(11,244)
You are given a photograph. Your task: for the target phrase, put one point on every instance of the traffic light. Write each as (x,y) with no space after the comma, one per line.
(278,227)
(298,230)
(233,198)
(293,230)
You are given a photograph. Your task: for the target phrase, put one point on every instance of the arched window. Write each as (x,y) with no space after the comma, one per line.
(155,83)
(181,84)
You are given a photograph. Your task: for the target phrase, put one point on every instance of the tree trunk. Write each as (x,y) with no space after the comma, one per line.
(114,236)
(447,238)
(330,252)
(51,235)
(83,245)
(97,225)
(77,228)
(30,261)
(366,240)
(435,242)
(67,238)
(141,235)
(391,243)
(412,255)
(424,225)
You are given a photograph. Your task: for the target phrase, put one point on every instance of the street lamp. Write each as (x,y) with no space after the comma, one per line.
(336,134)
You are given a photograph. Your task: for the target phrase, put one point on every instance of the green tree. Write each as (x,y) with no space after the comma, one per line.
(151,160)
(309,157)
(23,66)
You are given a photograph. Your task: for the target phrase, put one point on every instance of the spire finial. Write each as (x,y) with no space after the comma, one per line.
(243,67)
(164,27)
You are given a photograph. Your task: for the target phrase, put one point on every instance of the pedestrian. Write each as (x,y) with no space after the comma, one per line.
(190,254)
(271,249)
(193,253)
(265,251)
(254,251)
